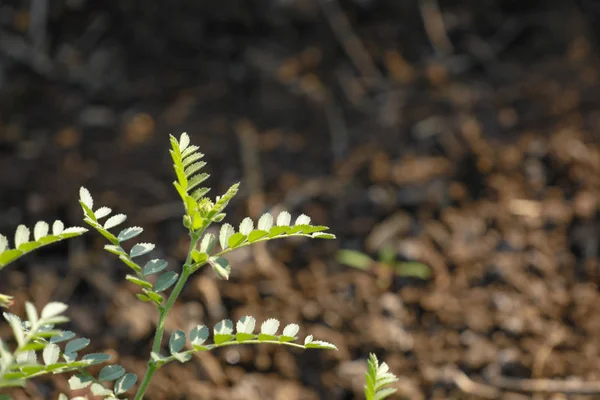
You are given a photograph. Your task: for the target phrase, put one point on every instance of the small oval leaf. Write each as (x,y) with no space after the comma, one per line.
(198,335)
(246,324)
(303,219)
(76,345)
(53,309)
(208,243)
(269,327)
(129,233)
(40,230)
(111,372)
(291,330)
(114,221)
(265,223)
(165,281)
(224,235)
(77,382)
(141,249)
(57,227)
(21,235)
(284,218)
(85,197)
(154,266)
(102,212)
(176,341)
(246,226)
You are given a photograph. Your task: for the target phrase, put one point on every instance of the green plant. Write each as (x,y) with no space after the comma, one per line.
(38,332)
(59,348)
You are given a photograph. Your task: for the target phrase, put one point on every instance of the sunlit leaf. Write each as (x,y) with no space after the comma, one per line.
(79,381)
(265,223)
(246,226)
(102,212)
(21,235)
(224,235)
(40,230)
(114,221)
(284,218)
(57,227)
(50,354)
(52,309)
(86,198)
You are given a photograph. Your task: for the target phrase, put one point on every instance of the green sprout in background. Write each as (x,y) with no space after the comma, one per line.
(385,267)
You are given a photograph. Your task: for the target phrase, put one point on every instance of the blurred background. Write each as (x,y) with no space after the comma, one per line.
(451,145)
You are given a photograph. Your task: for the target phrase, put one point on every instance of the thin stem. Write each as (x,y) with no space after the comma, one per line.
(162,317)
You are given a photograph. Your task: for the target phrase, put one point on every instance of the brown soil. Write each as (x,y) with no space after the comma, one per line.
(472,149)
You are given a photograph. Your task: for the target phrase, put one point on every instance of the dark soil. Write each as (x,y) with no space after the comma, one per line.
(471,147)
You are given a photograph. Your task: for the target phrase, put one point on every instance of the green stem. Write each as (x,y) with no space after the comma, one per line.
(162,317)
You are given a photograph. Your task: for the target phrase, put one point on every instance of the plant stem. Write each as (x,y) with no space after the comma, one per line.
(162,317)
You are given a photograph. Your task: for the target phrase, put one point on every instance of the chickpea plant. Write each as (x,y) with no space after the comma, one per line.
(59,349)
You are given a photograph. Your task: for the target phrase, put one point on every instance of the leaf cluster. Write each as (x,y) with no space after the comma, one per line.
(140,276)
